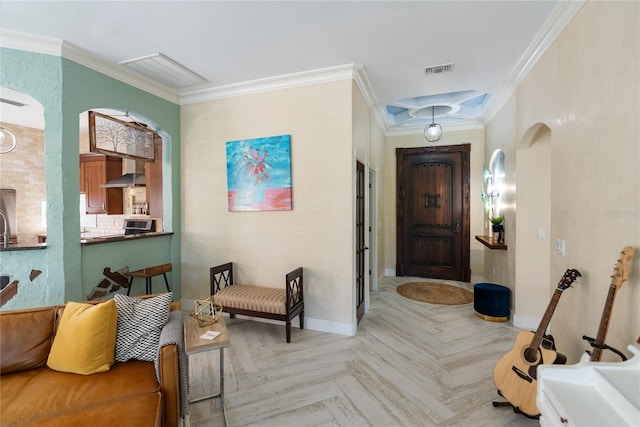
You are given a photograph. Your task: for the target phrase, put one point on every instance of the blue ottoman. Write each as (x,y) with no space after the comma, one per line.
(491,302)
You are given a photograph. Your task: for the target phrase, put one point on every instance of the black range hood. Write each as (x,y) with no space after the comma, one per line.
(127,180)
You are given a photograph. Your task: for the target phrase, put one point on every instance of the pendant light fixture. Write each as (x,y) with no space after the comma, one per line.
(7,140)
(433,131)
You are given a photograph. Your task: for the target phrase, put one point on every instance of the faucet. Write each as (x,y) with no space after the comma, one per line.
(5,233)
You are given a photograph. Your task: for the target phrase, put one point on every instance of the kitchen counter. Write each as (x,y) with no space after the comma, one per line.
(87,241)
(121,238)
(20,247)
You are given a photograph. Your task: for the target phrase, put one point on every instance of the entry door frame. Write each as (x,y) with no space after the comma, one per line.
(465,149)
(361,261)
(372,217)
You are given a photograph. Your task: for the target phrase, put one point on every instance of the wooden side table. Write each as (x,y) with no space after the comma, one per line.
(195,344)
(148,273)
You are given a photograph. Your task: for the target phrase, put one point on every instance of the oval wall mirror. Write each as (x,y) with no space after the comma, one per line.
(496,183)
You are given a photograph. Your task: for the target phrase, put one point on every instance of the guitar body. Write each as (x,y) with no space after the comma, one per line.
(516,377)
(516,373)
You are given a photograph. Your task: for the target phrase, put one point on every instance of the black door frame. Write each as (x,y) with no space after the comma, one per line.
(361,247)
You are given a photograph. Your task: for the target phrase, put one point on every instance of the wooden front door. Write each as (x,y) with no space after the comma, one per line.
(360,242)
(433,212)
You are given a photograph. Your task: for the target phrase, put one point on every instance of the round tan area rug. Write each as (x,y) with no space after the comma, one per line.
(435,293)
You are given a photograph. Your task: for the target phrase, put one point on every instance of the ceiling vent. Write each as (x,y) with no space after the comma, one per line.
(437,69)
(164,70)
(11,102)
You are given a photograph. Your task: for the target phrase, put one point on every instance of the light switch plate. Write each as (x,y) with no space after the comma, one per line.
(560,247)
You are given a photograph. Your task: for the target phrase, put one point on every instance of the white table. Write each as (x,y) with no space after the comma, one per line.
(590,393)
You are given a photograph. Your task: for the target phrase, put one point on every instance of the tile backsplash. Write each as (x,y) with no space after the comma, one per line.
(107,225)
(22,170)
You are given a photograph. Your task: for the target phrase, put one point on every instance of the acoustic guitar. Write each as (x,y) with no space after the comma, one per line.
(515,373)
(619,276)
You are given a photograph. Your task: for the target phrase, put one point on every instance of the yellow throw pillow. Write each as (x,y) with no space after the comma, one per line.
(86,338)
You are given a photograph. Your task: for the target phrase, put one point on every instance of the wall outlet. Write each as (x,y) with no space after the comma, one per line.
(560,247)
(542,234)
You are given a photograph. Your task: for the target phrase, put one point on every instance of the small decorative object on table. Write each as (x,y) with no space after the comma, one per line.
(206,311)
(498,228)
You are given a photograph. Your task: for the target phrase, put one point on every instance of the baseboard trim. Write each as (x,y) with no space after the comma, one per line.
(330,326)
(526,322)
(311,323)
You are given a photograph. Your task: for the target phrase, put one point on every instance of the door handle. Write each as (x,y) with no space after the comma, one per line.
(364,248)
(457,227)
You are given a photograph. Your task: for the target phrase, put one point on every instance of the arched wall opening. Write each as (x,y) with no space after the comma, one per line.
(533,222)
(141,201)
(65,89)
(22,173)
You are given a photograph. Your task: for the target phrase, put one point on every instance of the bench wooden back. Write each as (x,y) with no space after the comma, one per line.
(221,276)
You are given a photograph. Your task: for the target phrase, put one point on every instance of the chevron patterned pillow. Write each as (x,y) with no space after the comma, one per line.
(140,322)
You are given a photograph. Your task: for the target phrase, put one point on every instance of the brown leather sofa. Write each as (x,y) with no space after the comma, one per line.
(31,394)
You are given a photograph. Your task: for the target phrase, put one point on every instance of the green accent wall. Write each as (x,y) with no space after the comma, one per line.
(70,271)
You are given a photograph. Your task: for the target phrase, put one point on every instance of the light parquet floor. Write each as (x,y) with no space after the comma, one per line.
(410,364)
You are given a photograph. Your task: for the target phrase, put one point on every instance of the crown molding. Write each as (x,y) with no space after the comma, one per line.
(118,72)
(305,78)
(30,42)
(362,81)
(51,46)
(61,48)
(562,14)
(560,17)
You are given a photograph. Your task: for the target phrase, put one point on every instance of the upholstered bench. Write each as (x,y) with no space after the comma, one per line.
(259,301)
(491,302)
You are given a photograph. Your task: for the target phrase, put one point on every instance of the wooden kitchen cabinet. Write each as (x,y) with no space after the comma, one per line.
(82,189)
(96,170)
(153,177)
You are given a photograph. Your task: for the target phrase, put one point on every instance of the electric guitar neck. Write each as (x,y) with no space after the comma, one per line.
(619,276)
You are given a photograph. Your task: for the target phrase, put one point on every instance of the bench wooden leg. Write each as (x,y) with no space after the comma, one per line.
(289,330)
(301,319)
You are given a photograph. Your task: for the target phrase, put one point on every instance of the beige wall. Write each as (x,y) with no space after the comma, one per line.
(499,265)
(533,199)
(585,89)
(476,139)
(316,234)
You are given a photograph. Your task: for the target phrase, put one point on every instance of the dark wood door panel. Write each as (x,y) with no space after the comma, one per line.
(432,251)
(433,257)
(433,212)
(432,203)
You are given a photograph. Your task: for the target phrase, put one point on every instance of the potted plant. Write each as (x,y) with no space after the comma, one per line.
(498,228)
